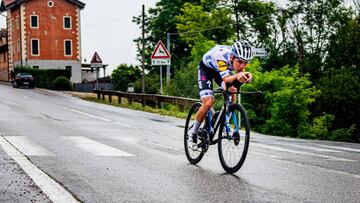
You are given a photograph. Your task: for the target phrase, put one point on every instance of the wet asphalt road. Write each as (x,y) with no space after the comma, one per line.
(133,156)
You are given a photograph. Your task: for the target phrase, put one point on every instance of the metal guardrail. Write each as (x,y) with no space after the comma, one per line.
(143,98)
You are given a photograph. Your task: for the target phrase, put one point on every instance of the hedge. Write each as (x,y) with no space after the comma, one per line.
(44,78)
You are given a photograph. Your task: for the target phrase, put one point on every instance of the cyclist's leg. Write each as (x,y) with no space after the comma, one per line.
(205,76)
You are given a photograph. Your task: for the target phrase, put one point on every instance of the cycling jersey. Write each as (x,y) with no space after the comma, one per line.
(215,65)
(218,58)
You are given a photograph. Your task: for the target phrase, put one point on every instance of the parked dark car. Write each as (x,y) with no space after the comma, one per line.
(24,79)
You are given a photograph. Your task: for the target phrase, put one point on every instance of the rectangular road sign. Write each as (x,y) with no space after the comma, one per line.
(96,65)
(260,52)
(160,62)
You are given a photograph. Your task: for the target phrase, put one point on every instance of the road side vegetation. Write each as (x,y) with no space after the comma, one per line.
(62,83)
(167,110)
(310,78)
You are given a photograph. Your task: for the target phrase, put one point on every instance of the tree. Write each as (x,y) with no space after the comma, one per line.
(123,75)
(310,24)
(344,48)
(340,96)
(195,19)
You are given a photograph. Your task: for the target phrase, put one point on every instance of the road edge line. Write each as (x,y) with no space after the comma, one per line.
(52,188)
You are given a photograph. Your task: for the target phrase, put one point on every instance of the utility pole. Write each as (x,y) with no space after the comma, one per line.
(168,66)
(143,50)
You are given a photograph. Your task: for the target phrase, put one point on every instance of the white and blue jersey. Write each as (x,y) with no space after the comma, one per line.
(218,58)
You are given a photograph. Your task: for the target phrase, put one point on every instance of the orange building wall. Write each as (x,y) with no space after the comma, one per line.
(51,32)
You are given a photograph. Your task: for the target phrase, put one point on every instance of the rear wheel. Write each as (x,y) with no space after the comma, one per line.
(193,156)
(233,146)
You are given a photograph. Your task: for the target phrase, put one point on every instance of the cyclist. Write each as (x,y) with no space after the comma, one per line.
(218,64)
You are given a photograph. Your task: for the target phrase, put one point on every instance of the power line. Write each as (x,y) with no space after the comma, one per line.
(111,20)
(3,15)
(197,31)
(212,28)
(130,48)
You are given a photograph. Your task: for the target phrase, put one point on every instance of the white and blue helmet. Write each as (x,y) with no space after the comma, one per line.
(242,50)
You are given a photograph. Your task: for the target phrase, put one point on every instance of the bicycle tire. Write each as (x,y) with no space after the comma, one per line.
(235,168)
(192,160)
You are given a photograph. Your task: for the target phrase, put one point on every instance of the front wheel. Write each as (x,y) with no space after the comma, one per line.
(233,141)
(193,156)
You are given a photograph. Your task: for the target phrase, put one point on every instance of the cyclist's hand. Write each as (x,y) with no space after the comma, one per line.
(242,77)
(249,77)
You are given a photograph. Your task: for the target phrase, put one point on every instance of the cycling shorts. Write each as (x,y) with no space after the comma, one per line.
(206,76)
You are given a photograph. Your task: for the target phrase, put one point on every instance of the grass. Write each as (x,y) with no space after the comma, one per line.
(167,110)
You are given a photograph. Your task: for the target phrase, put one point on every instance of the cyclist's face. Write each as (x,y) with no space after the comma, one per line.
(239,65)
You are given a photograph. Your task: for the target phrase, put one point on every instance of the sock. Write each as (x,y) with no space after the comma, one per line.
(196,127)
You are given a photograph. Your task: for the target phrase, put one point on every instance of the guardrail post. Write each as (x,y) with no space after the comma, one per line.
(98,96)
(143,102)
(103,96)
(182,108)
(119,100)
(110,98)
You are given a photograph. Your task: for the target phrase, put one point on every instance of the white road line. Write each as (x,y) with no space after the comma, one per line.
(318,149)
(27,147)
(50,187)
(131,140)
(299,152)
(124,125)
(82,113)
(260,154)
(96,148)
(90,115)
(341,148)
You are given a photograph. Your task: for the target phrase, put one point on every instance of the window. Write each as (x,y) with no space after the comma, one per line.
(67,22)
(68,47)
(35,47)
(34,21)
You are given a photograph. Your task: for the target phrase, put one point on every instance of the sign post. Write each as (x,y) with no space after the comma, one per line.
(96,63)
(160,57)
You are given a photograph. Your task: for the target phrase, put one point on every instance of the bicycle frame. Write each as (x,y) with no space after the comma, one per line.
(223,114)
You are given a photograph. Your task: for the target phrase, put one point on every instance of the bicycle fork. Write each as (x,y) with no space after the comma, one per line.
(227,123)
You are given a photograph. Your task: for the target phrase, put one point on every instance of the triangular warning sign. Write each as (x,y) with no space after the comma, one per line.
(96,58)
(160,52)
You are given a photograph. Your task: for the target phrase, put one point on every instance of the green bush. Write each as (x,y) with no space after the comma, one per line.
(320,127)
(44,78)
(283,109)
(345,134)
(62,83)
